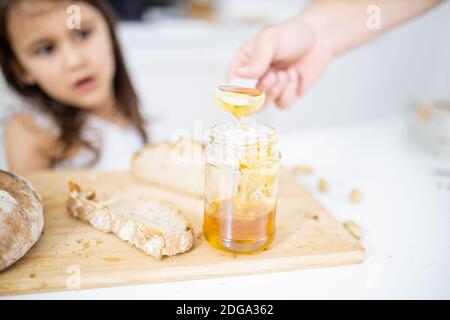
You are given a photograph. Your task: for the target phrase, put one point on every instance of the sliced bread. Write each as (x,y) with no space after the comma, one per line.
(158,228)
(175,165)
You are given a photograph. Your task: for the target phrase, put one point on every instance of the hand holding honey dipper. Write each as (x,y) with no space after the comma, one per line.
(288,58)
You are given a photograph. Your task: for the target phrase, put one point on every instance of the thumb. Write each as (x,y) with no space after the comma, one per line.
(260,55)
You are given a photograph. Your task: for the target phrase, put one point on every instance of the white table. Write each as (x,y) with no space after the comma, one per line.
(405,215)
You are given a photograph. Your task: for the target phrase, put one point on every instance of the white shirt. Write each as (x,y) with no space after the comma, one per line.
(116,144)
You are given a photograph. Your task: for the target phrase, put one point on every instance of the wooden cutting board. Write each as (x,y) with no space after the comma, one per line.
(72,255)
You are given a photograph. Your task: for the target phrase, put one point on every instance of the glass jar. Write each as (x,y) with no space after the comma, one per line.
(241,181)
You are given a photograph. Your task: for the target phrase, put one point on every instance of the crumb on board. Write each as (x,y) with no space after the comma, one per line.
(353,228)
(355,196)
(323,185)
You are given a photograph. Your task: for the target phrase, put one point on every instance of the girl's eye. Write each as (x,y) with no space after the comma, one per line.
(45,50)
(82,34)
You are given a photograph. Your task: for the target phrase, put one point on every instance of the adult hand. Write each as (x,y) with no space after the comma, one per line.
(287,59)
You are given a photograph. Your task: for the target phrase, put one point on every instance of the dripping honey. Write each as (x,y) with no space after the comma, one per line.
(238,101)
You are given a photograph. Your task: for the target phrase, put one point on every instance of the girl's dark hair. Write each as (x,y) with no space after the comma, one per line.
(70,118)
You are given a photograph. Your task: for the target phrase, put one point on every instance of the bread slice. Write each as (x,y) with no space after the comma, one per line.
(155,227)
(178,166)
(21,217)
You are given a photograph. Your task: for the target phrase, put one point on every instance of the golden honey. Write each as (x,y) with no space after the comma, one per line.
(238,101)
(247,228)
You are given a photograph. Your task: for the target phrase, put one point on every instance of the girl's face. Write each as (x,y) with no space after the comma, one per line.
(73,66)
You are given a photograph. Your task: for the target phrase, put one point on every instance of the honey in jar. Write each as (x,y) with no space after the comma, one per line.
(241,181)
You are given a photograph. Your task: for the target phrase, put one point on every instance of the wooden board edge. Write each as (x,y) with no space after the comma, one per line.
(238,268)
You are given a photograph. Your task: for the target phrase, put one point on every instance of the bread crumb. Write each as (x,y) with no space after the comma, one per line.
(424,113)
(353,228)
(355,196)
(323,185)
(32,275)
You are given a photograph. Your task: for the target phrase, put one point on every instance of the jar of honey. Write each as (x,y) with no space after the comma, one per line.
(241,181)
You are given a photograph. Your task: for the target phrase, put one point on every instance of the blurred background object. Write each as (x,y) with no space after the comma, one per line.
(134,9)
(234,11)
(129,10)
(431,121)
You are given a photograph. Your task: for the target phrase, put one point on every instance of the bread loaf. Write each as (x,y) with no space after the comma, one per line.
(178,166)
(21,217)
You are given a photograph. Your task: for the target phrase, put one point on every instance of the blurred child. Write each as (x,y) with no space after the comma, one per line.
(81,108)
